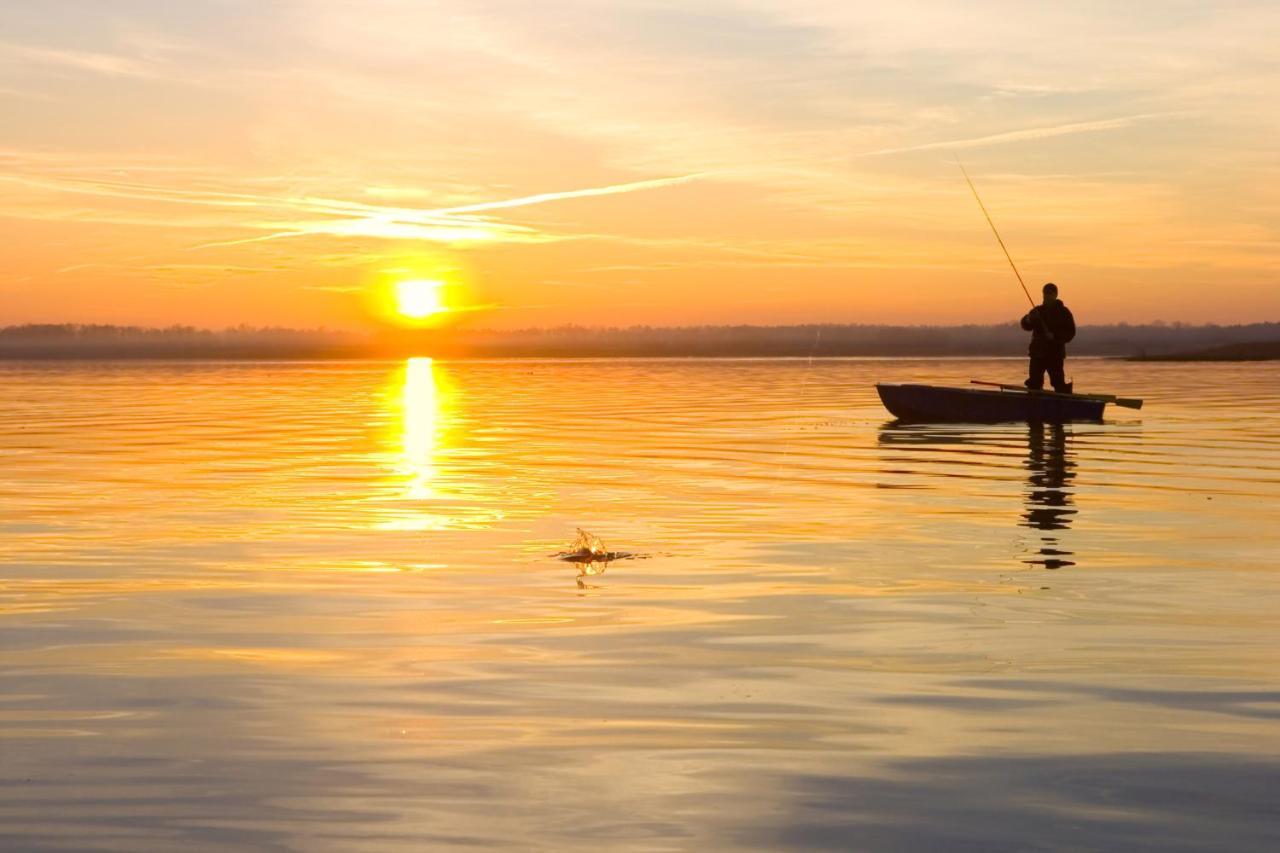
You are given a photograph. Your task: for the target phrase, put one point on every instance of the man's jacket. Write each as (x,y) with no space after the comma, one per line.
(1055,317)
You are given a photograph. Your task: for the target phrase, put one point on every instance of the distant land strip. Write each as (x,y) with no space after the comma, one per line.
(1149,341)
(1250,351)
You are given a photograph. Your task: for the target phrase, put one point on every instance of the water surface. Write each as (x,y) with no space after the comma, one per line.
(312,607)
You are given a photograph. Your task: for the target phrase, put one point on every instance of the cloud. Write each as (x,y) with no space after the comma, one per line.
(444,225)
(317,215)
(383,228)
(1025,135)
(584,193)
(81,60)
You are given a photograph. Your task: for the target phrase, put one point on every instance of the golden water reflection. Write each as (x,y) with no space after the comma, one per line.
(293,605)
(424,399)
(422,402)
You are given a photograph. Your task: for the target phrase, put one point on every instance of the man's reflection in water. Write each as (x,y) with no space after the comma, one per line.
(1048,498)
(1049,505)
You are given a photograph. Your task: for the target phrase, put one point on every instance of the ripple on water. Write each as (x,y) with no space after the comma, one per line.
(293,605)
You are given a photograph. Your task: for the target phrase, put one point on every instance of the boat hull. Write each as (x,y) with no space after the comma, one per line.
(933,403)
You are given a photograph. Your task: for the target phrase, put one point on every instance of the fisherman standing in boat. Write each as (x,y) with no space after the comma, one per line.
(1052,327)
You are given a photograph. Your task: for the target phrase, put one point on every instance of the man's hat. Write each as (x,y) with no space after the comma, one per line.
(1050,288)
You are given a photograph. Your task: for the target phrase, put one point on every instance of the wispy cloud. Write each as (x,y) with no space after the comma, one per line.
(13,92)
(542,198)
(387,228)
(1030,133)
(316,215)
(444,225)
(80,60)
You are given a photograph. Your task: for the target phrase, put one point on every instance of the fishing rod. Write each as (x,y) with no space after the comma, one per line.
(997,233)
(1010,258)
(1105,398)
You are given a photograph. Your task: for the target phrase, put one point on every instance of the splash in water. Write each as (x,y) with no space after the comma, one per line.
(591,554)
(589,543)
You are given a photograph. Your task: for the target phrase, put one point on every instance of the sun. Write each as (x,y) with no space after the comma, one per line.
(420,298)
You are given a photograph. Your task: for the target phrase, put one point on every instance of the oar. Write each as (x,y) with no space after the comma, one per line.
(1126,402)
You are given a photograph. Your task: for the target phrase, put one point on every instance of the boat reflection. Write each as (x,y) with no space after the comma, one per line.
(956,451)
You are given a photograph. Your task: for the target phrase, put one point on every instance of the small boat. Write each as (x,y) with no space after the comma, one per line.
(973,405)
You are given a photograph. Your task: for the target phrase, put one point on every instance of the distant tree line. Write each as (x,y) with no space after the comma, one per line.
(78,341)
(817,341)
(825,340)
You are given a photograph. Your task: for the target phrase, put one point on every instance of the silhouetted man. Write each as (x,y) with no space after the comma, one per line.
(1052,327)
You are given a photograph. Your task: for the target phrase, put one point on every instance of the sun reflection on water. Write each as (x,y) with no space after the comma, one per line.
(421,402)
(427,490)
(424,401)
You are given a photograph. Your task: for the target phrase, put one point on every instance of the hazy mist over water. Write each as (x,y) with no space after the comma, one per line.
(312,606)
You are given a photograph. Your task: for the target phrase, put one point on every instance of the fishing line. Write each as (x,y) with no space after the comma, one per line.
(1044,324)
(995,231)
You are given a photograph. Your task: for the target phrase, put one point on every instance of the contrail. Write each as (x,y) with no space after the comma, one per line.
(1029,133)
(446,223)
(590,191)
(326,206)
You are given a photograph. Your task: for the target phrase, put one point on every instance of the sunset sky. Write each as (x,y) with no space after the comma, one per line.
(761,161)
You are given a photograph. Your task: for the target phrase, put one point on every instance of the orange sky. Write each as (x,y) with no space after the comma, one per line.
(631,162)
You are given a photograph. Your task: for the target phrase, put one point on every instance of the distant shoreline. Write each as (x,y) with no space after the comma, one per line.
(71,342)
(1252,351)
(531,359)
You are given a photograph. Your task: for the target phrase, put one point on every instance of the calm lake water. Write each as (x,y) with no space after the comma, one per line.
(314,607)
